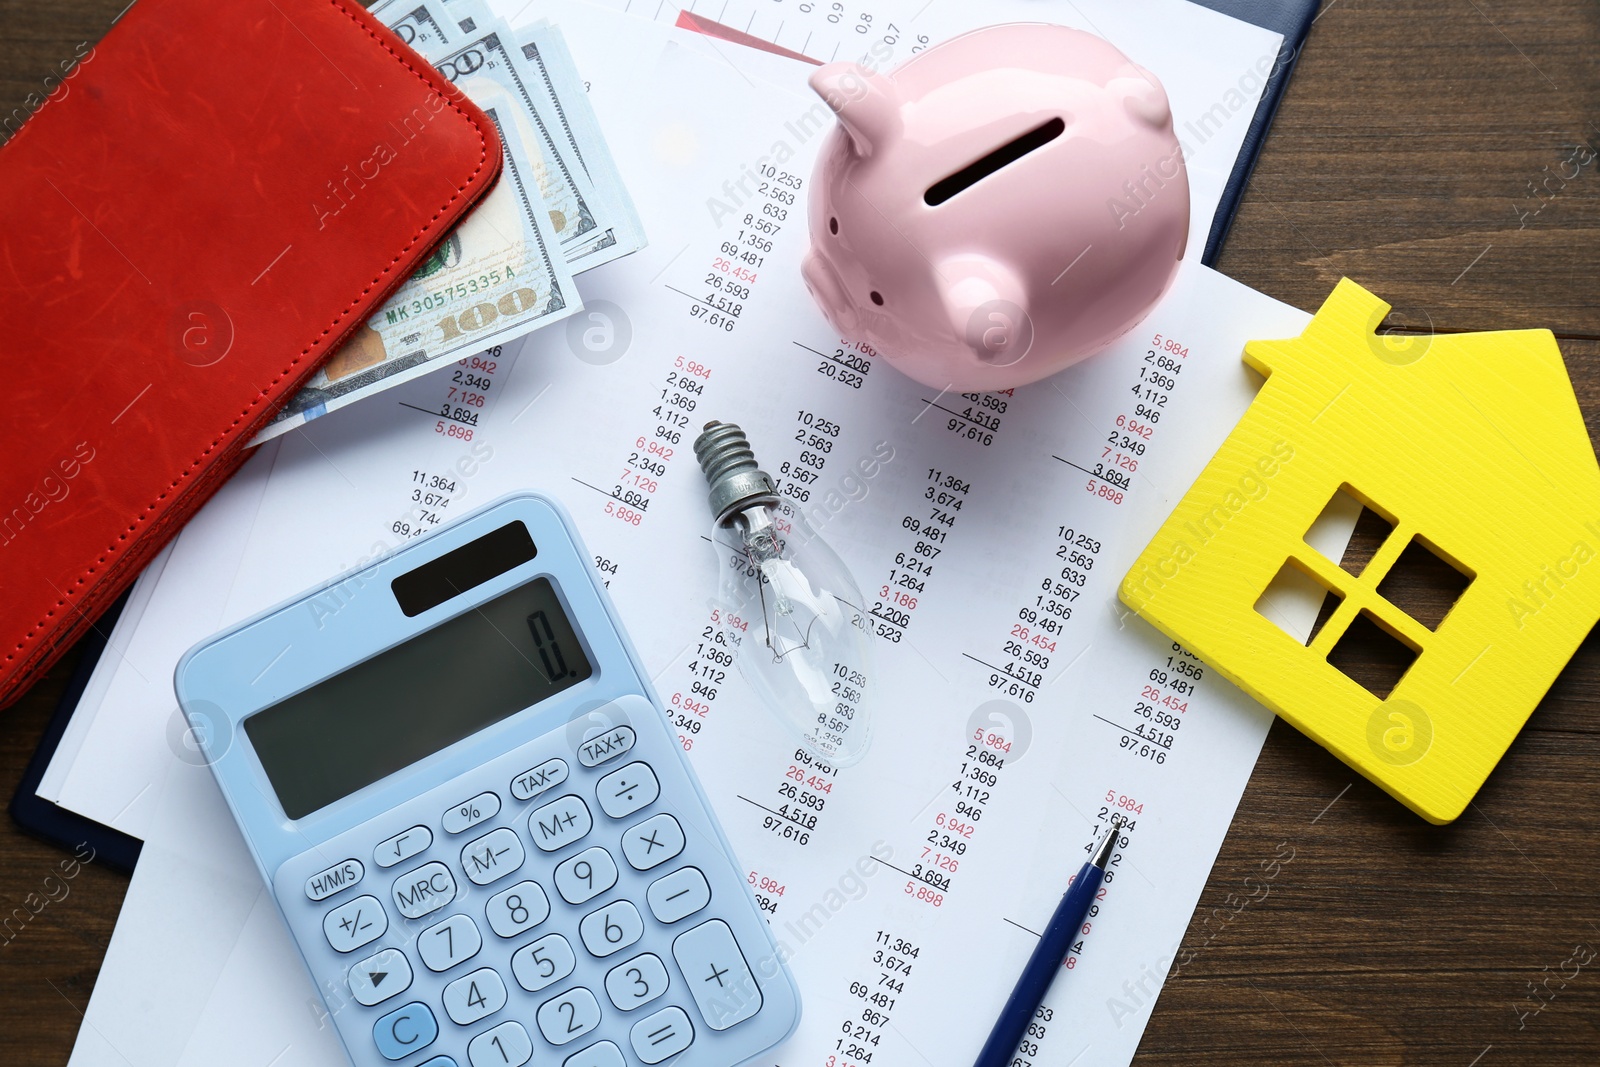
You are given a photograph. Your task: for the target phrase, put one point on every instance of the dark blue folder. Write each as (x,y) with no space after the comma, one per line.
(1293,19)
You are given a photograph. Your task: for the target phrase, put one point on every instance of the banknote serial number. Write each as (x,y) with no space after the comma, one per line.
(470,287)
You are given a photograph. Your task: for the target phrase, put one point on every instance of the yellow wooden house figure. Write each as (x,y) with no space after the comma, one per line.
(1472,447)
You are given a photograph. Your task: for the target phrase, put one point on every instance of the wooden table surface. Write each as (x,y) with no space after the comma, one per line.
(1426,148)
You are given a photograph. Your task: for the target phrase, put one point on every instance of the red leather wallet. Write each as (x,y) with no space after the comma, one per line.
(213,198)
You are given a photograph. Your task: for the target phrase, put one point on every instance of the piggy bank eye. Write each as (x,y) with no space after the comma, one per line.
(877,297)
(833,226)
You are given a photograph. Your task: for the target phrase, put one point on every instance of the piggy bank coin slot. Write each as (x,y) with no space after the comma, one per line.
(999,159)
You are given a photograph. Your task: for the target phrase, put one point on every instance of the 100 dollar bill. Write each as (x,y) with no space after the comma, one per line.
(419,27)
(491,280)
(595,218)
(484,67)
(545,52)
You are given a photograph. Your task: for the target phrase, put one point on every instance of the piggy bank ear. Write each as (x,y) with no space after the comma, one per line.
(1145,99)
(987,307)
(864,102)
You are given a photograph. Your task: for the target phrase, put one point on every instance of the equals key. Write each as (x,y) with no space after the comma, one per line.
(627,790)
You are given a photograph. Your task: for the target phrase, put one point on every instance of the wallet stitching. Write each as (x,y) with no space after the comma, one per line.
(266,391)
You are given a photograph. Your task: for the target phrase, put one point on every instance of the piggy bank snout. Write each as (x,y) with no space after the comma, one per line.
(987,307)
(827,289)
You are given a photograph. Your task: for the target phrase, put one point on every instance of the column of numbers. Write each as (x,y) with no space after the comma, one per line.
(632,484)
(923,534)
(861,1033)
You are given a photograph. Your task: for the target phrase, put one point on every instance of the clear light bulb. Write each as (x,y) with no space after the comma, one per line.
(789,607)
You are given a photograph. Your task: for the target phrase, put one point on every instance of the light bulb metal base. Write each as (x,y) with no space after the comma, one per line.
(737,482)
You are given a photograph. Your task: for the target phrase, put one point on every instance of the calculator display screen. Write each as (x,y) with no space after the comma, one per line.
(404,704)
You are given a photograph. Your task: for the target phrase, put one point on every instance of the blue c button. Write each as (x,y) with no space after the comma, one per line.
(402,1032)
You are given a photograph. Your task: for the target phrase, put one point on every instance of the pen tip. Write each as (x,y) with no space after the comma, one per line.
(1108,840)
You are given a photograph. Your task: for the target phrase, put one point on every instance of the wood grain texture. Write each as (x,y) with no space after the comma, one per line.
(1402,157)
(53,929)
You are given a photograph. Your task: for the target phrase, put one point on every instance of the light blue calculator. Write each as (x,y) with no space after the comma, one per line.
(480,828)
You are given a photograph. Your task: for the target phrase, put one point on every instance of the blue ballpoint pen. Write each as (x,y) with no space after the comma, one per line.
(1047,958)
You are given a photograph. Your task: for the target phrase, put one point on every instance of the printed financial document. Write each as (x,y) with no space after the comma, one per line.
(1022,705)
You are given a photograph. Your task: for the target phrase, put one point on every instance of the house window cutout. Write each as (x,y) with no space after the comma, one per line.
(1372,657)
(1296,592)
(1424,584)
(1373,527)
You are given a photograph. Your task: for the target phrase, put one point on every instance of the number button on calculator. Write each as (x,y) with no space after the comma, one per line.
(474,996)
(569,1016)
(611,929)
(507,1045)
(469,813)
(402,846)
(355,923)
(625,791)
(424,890)
(653,842)
(543,962)
(666,1033)
(522,907)
(638,981)
(377,978)
(559,823)
(453,941)
(586,875)
(492,856)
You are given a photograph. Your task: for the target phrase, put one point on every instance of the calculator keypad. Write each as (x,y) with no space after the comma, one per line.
(678,895)
(402,846)
(519,908)
(492,856)
(380,976)
(666,1033)
(506,1045)
(606,746)
(611,929)
(405,1030)
(594,951)
(637,981)
(469,813)
(424,890)
(543,962)
(335,879)
(560,823)
(719,979)
(586,875)
(600,1054)
(456,940)
(653,842)
(536,780)
(567,1017)
(474,996)
(625,791)
(355,923)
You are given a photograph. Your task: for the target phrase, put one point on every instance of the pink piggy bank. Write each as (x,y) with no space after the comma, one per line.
(1000,207)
